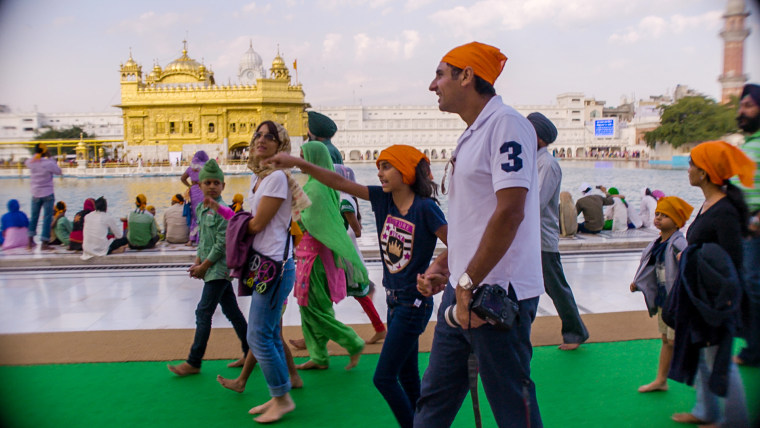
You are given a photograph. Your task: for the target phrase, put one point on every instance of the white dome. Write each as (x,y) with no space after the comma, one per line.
(251,66)
(735,7)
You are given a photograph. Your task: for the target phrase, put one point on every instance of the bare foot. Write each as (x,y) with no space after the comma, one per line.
(353,360)
(569,346)
(45,246)
(231,384)
(238,363)
(654,386)
(311,365)
(119,250)
(380,335)
(261,408)
(278,408)
(296,382)
(31,244)
(183,369)
(687,418)
(298,343)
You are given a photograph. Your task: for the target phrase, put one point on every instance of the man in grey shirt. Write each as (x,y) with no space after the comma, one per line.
(549,179)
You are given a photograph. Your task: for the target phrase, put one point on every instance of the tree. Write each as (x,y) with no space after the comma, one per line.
(63,134)
(693,120)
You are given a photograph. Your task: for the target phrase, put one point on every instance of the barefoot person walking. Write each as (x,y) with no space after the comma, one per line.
(211,267)
(325,257)
(275,199)
(409,223)
(574,331)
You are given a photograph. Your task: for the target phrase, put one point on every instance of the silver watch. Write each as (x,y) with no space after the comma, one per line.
(465,282)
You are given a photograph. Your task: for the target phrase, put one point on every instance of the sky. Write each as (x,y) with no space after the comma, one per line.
(63,56)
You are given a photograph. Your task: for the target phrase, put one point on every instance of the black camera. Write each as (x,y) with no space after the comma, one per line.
(491,303)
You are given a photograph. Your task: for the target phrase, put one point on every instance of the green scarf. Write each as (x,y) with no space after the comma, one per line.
(323,220)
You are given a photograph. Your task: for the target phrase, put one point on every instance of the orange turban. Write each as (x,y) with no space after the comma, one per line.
(404,158)
(722,161)
(141,201)
(676,208)
(486,61)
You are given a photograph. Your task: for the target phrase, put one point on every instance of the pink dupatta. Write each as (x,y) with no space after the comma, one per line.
(306,253)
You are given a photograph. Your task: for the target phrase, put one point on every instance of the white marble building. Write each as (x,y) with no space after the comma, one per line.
(363,131)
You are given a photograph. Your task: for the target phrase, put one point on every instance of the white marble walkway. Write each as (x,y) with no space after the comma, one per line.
(124,299)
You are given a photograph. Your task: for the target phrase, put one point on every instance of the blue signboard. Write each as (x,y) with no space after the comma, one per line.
(604,128)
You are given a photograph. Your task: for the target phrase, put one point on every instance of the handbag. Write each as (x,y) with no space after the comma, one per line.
(265,273)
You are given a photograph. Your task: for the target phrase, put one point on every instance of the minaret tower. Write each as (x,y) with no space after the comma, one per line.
(734,33)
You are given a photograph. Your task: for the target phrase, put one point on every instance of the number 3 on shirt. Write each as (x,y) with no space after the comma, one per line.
(513,150)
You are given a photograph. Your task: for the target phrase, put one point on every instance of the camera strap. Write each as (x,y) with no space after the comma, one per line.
(472,373)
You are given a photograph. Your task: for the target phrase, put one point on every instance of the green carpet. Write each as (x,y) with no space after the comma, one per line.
(592,387)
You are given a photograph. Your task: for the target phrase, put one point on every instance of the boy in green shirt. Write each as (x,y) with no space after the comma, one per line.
(211,266)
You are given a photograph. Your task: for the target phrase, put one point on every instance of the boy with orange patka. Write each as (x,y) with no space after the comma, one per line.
(657,273)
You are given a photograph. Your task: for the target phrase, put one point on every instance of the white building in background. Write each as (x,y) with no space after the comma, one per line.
(25,126)
(585,126)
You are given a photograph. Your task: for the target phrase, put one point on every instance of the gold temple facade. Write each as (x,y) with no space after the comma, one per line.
(171,113)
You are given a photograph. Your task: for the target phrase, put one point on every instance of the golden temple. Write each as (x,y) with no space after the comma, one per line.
(174,111)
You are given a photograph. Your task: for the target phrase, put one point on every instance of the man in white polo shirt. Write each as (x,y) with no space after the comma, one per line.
(494,238)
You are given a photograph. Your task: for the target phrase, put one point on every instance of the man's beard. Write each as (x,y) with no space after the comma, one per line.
(748,124)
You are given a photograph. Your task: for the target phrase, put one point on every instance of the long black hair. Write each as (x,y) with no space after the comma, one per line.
(423,185)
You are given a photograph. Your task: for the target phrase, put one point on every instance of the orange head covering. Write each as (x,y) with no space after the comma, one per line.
(486,61)
(405,159)
(722,161)
(237,202)
(151,209)
(676,208)
(141,201)
(59,207)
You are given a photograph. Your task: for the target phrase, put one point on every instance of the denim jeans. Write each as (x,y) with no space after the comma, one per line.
(751,354)
(730,411)
(264,332)
(397,375)
(503,364)
(556,286)
(216,292)
(46,204)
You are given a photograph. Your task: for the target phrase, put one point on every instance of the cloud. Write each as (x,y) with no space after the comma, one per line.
(62,21)
(490,16)
(254,8)
(384,49)
(412,40)
(334,4)
(412,5)
(148,22)
(654,27)
(330,44)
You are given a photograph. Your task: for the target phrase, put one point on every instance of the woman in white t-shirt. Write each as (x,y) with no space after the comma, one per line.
(275,198)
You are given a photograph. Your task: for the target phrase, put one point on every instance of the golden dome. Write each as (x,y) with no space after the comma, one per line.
(183,64)
(279,70)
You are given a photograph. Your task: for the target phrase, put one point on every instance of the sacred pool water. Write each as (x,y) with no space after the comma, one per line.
(628,177)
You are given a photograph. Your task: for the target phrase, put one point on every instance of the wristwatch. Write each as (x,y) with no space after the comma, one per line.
(465,282)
